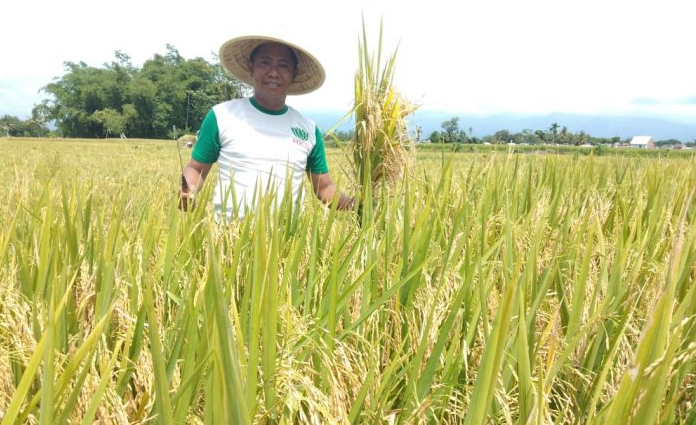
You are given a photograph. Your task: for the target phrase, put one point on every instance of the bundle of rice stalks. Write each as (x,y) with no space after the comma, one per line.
(187,139)
(381,149)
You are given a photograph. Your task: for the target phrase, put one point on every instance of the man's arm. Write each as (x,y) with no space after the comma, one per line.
(325,190)
(192,181)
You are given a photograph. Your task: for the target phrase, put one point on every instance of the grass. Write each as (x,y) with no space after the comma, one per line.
(499,288)
(599,150)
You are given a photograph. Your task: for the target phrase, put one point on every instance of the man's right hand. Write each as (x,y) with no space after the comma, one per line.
(191,182)
(186,198)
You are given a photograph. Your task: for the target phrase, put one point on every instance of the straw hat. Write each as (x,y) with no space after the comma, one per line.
(235,55)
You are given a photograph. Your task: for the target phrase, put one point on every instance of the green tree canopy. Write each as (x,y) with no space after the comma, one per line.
(452,133)
(503,136)
(119,97)
(13,126)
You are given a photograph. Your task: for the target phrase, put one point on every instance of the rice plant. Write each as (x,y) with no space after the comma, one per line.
(501,288)
(381,149)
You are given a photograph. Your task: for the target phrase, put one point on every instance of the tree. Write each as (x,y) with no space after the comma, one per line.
(452,133)
(581,138)
(417,133)
(168,90)
(451,130)
(554,132)
(564,136)
(113,122)
(502,136)
(540,135)
(528,136)
(436,137)
(461,137)
(14,127)
(6,128)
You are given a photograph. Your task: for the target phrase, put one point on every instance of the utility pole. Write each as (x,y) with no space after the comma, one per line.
(188,104)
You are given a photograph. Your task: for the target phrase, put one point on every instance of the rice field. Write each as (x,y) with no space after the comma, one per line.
(485,288)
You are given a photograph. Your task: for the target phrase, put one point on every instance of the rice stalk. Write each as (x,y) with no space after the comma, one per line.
(381,149)
(501,288)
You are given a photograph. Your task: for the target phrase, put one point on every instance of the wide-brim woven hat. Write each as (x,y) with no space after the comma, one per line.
(235,55)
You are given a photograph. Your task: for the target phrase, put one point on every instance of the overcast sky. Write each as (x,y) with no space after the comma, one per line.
(489,56)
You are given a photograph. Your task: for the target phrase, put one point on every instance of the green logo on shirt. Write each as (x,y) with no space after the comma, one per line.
(300,133)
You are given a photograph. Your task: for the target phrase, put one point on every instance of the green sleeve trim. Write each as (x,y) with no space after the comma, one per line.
(316,161)
(207,147)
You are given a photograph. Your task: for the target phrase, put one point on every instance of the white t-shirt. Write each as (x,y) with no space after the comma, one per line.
(258,151)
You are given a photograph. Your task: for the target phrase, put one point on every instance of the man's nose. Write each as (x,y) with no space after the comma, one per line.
(273,70)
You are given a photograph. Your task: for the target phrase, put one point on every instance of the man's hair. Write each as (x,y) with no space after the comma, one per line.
(293,55)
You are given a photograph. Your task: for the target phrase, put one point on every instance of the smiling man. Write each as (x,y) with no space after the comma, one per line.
(260,142)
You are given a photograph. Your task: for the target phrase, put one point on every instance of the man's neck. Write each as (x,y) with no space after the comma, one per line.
(265,110)
(270,104)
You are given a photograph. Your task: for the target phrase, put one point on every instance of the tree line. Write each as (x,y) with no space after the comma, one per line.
(170,91)
(451,133)
(555,134)
(121,99)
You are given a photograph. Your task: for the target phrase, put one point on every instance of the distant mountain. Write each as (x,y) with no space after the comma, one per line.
(594,125)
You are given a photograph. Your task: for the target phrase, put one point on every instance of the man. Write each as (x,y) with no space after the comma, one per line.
(260,142)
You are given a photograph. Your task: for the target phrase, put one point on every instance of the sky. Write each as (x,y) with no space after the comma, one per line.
(471,57)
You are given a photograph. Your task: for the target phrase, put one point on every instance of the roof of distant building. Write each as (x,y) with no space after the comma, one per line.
(641,140)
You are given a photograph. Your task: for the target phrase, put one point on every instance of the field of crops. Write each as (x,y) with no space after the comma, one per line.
(485,288)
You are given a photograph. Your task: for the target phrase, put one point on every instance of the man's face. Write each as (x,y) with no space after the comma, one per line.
(272,71)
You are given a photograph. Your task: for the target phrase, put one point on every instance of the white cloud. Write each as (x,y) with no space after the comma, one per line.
(501,55)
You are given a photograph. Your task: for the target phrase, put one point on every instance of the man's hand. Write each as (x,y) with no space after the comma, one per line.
(326,190)
(186,197)
(191,182)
